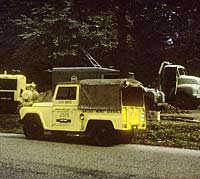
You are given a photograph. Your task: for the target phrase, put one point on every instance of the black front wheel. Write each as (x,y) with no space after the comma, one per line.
(33,128)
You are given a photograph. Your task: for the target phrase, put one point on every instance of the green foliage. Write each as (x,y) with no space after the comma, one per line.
(131,35)
(171,134)
(61,35)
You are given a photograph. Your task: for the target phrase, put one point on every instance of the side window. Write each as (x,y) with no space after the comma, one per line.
(66,93)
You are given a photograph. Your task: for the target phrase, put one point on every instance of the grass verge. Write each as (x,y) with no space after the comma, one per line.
(170,134)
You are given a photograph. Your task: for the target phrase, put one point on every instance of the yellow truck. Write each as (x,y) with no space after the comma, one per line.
(106,110)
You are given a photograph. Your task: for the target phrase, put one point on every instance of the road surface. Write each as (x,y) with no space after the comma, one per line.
(21,158)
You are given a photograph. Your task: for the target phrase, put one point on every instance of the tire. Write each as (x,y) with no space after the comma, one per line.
(33,128)
(104,135)
(184,101)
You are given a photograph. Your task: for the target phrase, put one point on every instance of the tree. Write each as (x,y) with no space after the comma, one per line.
(164,30)
(57,31)
(132,35)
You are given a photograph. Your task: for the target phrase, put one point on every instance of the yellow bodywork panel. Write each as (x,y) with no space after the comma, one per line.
(134,117)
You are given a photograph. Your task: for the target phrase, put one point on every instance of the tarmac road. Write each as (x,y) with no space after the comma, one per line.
(21,158)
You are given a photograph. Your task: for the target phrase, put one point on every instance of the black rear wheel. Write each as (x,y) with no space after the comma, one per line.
(104,135)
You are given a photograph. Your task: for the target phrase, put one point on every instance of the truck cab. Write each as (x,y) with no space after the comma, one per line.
(106,110)
(169,78)
(180,89)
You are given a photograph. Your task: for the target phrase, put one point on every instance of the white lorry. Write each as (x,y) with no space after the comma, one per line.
(180,89)
(107,110)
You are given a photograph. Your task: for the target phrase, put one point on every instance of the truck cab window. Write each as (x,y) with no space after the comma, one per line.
(181,71)
(66,93)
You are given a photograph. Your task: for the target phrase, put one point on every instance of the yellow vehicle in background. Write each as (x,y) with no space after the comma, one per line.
(13,88)
(106,110)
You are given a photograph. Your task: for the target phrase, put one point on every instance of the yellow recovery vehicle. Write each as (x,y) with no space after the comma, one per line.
(107,110)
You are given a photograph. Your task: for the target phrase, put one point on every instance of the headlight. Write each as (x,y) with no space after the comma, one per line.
(82,116)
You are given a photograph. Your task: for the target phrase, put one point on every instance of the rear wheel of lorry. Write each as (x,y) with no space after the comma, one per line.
(33,128)
(184,101)
(104,135)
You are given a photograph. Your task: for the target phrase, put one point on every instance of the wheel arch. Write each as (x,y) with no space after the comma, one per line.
(34,116)
(92,123)
(32,126)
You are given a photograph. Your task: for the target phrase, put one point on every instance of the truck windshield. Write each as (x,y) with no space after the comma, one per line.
(66,93)
(132,96)
(8,84)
